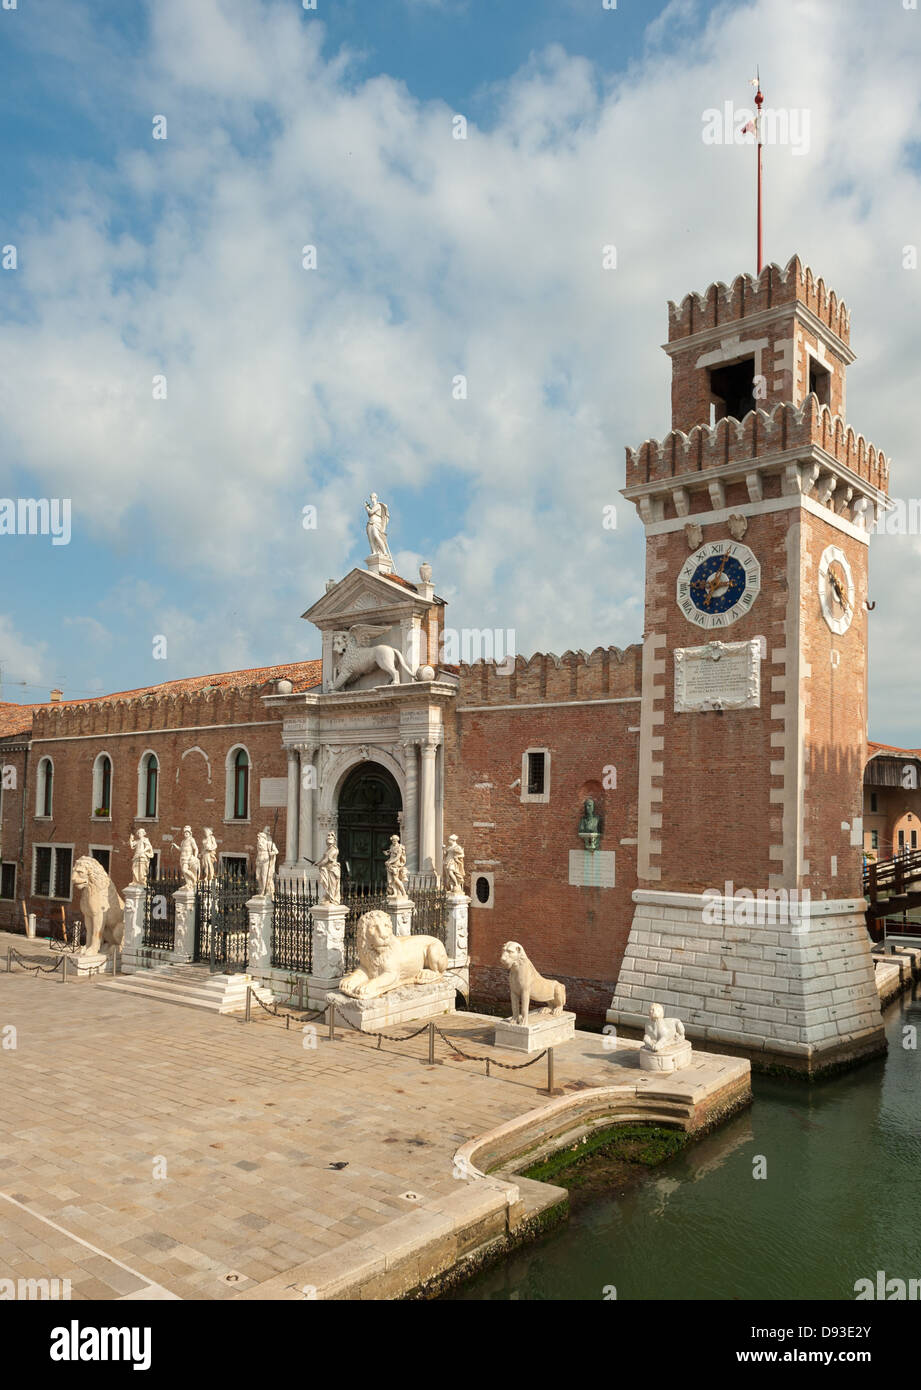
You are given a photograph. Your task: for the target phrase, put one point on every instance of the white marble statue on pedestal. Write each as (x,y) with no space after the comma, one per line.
(330,872)
(189,862)
(397,872)
(266,855)
(454,871)
(665,1048)
(356,653)
(526,984)
(208,855)
(142,851)
(378,521)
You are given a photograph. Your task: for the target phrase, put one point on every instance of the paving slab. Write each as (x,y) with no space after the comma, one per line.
(162,1149)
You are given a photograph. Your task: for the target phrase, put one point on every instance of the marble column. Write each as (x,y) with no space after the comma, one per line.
(439,806)
(410,825)
(292,811)
(427,807)
(305,820)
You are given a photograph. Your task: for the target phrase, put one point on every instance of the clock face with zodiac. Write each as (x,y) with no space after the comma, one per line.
(836,589)
(718,583)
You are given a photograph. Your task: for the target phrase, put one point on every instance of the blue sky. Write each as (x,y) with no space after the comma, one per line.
(436,257)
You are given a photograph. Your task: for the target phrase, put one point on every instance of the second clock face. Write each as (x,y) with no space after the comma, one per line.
(836,589)
(718,583)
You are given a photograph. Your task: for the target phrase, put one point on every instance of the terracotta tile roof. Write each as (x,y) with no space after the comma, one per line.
(302,675)
(15,719)
(874,748)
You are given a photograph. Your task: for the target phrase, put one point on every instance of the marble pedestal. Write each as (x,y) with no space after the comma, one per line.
(541,1030)
(88,964)
(409,1004)
(670,1059)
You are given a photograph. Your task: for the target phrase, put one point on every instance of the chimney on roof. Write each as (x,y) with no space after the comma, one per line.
(57,696)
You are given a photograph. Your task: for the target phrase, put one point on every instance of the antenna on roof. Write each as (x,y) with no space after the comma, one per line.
(759,102)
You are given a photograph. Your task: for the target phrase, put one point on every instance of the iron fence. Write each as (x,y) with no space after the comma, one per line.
(222,921)
(292,931)
(430,914)
(360,898)
(160,911)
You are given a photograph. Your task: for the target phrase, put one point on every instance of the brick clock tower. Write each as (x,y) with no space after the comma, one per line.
(758,506)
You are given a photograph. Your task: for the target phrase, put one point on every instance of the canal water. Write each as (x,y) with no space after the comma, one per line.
(841,1199)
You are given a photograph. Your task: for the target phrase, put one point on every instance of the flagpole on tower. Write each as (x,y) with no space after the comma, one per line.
(759,100)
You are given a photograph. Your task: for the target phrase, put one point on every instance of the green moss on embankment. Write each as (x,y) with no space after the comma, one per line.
(623,1148)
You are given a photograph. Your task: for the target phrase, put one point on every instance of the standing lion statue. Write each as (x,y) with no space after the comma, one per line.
(525,984)
(102,906)
(387,961)
(356,656)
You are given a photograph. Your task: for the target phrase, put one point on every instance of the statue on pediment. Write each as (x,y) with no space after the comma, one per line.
(378,522)
(355,653)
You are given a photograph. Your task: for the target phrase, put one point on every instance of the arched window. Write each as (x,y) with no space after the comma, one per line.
(241,785)
(102,786)
(44,800)
(148,786)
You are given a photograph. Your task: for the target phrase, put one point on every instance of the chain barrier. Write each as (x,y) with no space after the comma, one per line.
(274,1012)
(34,964)
(490,1061)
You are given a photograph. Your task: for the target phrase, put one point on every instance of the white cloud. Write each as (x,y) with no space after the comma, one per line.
(436,257)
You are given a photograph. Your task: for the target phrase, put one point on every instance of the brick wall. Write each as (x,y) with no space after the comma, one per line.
(191,736)
(576,934)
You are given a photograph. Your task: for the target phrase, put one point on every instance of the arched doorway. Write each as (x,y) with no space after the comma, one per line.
(369,805)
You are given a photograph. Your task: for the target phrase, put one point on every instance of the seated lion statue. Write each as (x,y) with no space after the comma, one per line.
(102,907)
(525,984)
(387,961)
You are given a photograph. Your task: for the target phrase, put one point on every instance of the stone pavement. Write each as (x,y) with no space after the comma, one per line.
(152,1151)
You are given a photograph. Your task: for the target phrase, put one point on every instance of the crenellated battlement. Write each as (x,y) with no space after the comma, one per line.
(605,673)
(760,433)
(750,294)
(150,713)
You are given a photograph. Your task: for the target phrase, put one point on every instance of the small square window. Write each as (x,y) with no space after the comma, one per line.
(535,775)
(874,802)
(820,381)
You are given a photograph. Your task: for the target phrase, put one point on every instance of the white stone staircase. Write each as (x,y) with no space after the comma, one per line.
(191,985)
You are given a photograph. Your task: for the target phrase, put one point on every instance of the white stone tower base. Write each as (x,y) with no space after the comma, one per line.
(791,986)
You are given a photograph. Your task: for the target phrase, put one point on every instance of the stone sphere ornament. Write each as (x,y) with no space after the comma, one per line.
(425,673)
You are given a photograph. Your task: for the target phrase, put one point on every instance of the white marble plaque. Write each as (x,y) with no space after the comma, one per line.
(273,791)
(720,675)
(591,868)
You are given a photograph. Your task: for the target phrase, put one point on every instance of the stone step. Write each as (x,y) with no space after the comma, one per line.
(216,993)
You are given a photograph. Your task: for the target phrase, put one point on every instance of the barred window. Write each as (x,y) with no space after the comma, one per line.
(535,774)
(7,880)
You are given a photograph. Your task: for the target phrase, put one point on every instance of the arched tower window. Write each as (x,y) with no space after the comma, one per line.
(45,797)
(102,786)
(236,800)
(149,786)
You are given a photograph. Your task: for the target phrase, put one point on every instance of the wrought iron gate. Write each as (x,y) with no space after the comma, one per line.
(222,921)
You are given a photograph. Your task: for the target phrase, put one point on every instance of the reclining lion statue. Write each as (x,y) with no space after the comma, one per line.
(526,985)
(101,904)
(356,656)
(387,961)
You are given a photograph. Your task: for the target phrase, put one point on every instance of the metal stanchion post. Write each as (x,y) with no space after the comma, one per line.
(9,960)
(63,968)
(549,1071)
(249,1004)
(432,1061)
(332,1021)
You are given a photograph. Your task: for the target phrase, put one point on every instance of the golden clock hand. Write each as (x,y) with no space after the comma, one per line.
(715,578)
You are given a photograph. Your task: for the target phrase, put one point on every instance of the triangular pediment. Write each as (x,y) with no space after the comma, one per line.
(361,597)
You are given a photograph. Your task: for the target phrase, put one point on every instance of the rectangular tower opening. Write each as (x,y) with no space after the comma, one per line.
(732,389)
(820,381)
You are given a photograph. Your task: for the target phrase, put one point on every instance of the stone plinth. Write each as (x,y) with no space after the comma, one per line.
(669,1059)
(401,914)
(329,941)
(135,896)
(409,1004)
(456,905)
(85,964)
(541,1030)
(184,931)
(259,947)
